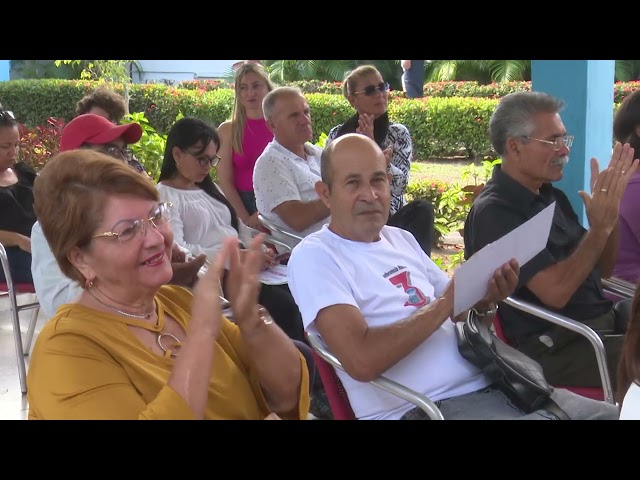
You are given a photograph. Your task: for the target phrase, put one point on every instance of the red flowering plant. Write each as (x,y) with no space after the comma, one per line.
(623,89)
(39,144)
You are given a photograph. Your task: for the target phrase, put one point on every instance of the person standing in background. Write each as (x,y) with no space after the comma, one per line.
(413,78)
(243,138)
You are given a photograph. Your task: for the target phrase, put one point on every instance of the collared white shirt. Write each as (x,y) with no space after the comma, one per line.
(280,176)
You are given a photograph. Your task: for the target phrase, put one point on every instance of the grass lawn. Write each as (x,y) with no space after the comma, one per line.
(449,171)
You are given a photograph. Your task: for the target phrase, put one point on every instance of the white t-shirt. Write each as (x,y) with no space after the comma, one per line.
(53,287)
(200,223)
(631,404)
(280,176)
(387,280)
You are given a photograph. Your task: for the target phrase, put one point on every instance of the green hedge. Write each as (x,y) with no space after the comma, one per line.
(440,127)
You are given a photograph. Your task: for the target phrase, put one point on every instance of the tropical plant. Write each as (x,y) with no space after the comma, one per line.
(284,71)
(482,71)
(39,69)
(116,71)
(149,150)
(39,144)
(287,71)
(627,70)
(102,70)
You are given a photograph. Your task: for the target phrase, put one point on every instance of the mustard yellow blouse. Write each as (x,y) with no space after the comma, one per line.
(86,364)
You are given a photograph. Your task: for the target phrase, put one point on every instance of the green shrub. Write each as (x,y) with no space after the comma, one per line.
(163,104)
(204,85)
(440,127)
(443,127)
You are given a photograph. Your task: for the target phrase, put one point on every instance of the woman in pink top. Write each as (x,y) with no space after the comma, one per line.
(243,139)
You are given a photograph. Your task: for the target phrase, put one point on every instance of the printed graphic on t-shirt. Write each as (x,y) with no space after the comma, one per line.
(403,280)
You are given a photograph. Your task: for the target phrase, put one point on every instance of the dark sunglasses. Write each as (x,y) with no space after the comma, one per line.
(370,90)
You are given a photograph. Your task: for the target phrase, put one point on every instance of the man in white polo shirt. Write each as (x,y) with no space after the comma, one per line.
(286,173)
(384,308)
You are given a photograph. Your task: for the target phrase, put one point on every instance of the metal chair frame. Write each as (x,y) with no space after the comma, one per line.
(12,290)
(381,382)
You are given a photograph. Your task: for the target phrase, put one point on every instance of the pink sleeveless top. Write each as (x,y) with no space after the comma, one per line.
(255,138)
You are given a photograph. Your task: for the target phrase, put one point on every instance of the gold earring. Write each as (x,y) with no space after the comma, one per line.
(89,284)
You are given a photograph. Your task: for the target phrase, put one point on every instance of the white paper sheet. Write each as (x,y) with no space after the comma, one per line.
(525,242)
(276,275)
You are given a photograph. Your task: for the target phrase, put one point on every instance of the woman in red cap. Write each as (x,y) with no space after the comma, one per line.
(89,131)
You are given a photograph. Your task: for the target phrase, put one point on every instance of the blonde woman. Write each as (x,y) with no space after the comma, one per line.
(242,139)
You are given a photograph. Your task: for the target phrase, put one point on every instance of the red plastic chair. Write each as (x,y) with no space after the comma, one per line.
(336,394)
(596,393)
(326,363)
(13,290)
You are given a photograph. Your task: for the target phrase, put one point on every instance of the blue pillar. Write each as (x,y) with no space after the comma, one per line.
(4,70)
(586,86)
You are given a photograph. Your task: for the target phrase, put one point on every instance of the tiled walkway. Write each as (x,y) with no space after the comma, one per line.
(13,405)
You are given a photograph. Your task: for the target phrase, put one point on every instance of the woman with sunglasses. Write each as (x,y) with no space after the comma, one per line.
(244,138)
(16,201)
(368,93)
(131,346)
(202,217)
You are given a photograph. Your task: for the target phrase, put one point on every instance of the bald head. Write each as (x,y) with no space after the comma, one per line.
(349,145)
(355,187)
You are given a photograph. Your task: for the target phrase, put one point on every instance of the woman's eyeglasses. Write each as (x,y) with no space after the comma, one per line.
(128,229)
(205,161)
(370,90)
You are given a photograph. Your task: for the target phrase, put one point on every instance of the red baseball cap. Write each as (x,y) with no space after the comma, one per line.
(97,130)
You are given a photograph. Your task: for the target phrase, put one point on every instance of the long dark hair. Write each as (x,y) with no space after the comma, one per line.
(189,132)
(629,362)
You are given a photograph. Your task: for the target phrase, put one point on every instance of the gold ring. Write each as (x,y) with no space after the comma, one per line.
(265,316)
(603,189)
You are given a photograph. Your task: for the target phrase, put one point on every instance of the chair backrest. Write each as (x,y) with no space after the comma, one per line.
(616,289)
(336,394)
(596,393)
(288,237)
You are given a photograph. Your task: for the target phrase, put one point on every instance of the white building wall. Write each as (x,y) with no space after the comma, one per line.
(178,70)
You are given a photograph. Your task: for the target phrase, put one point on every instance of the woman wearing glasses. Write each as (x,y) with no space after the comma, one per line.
(368,93)
(132,347)
(94,132)
(16,201)
(203,218)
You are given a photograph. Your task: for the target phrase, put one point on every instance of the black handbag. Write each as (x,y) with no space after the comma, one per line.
(519,377)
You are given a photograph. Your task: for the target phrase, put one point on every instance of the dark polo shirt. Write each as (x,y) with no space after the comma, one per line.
(504,205)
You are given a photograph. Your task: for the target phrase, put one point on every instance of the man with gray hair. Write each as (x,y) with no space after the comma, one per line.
(285,175)
(385,308)
(527,132)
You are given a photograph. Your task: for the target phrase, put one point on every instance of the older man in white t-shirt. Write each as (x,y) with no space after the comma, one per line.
(383,307)
(286,173)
